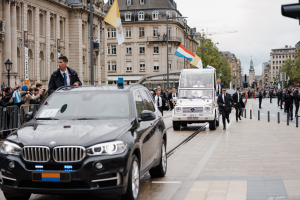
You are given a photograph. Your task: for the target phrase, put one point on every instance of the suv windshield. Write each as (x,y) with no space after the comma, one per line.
(196,78)
(86,104)
(196,94)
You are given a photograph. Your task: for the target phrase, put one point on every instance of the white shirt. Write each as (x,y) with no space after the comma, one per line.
(159,104)
(223,96)
(67,74)
(173,94)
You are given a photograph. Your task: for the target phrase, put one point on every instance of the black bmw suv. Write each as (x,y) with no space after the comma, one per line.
(95,139)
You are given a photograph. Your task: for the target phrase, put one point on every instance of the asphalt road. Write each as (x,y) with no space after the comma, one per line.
(272,107)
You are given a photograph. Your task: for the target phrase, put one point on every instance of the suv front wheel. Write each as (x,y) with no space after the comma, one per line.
(133,187)
(161,169)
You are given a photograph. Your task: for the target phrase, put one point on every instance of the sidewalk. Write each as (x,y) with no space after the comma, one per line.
(251,160)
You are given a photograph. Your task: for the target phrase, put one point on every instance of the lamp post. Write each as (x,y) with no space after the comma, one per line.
(8,65)
(168,86)
(91,42)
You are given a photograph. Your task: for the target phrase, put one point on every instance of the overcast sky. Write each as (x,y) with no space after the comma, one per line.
(259,23)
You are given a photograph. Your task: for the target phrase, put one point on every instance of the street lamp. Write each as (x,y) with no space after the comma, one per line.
(8,65)
(168,86)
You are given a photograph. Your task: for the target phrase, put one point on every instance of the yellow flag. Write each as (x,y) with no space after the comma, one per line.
(197,62)
(114,19)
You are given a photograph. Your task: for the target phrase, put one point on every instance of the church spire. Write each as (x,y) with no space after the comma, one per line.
(251,66)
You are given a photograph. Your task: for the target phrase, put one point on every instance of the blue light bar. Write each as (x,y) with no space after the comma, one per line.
(120,82)
(39,167)
(68,167)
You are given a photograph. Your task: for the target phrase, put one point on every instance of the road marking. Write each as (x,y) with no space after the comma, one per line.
(166,182)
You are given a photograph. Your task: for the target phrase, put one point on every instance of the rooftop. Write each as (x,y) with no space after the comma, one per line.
(149,4)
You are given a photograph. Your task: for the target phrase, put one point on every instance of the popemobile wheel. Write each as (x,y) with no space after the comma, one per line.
(176,126)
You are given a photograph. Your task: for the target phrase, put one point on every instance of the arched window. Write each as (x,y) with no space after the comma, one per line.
(61,25)
(42,66)
(42,25)
(53,67)
(169,14)
(18,19)
(128,16)
(155,15)
(141,16)
(30,64)
(83,34)
(52,24)
(29,22)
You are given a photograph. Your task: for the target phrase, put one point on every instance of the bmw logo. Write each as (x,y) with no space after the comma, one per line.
(52,143)
(193,109)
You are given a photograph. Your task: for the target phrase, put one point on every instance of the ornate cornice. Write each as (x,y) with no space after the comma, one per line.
(78,13)
(42,46)
(52,15)
(42,12)
(31,44)
(52,48)
(20,43)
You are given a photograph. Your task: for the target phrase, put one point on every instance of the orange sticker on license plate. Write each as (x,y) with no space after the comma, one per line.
(192,115)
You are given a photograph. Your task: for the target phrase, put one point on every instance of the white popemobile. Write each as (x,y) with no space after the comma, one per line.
(196,102)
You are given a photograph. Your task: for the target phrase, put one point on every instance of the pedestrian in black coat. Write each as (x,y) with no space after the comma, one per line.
(64,76)
(238,102)
(260,97)
(288,101)
(296,100)
(171,96)
(271,94)
(225,103)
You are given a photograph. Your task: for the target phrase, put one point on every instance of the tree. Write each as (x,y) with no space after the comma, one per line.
(214,58)
(296,69)
(292,69)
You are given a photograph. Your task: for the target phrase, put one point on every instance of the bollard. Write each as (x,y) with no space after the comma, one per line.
(288,119)
(258,115)
(245,113)
(278,117)
(297,118)
(250,114)
(268,116)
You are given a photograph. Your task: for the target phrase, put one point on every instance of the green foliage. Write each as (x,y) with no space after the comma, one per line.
(214,58)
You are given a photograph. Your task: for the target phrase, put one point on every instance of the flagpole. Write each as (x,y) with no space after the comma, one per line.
(91,43)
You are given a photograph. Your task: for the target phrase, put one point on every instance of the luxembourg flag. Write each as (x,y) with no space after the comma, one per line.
(184,53)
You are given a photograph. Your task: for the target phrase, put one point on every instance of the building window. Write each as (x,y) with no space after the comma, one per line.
(282,56)
(108,33)
(29,22)
(276,67)
(279,56)
(128,49)
(170,48)
(108,66)
(141,16)
(128,16)
(155,15)
(113,49)
(276,62)
(142,49)
(156,65)
(52,24)
(41,25)
(19,18)
(128,32)
(155,31)
(113,33)
(273,67)
(110,2)
(61,30)
(233,74)
(142,2)
(283,62)
(142,32)
(114,66)
(233,66)
(273,62)
(169,14)
(142,66)
(128,66)
(279,62)
(108,50)
(128,2)
(169,32)
(155,48)
(170,65)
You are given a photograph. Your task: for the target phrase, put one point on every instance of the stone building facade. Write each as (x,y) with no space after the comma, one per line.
(47,21)
(277,59)
(235,65)
(145,48)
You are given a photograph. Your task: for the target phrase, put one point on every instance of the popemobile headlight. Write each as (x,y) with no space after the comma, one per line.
(207,109)
(110,148)
(10,148)
(178,109)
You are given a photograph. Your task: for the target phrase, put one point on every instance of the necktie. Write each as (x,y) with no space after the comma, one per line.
(65,79)
(158,102)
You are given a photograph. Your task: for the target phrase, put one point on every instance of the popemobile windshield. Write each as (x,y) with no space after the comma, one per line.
(196,101)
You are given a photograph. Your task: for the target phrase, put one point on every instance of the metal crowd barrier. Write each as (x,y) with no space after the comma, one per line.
(12,117)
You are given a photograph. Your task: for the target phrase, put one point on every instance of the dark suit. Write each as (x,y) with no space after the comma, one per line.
(218,89)
(237,99)
(296,99)
(289,101)
(160,108)
(271,94)
(280,98)
(170,97)
(227,109)
(260,97)
(57,80)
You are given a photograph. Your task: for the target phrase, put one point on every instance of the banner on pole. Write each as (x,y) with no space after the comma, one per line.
(26,58)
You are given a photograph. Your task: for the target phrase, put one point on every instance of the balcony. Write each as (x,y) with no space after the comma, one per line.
(96,46)
(164,39)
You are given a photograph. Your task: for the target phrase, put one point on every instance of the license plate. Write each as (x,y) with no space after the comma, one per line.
(193,115)
(51,177)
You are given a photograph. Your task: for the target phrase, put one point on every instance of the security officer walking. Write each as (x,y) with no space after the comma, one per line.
(296,100)
(225,103)
(238,101)
(278,97)
(282,99)
(288,102)
(271,95)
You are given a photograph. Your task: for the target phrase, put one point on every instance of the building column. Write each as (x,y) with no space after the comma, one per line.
(14,38)
(7,40)
(48,52)
(36,71)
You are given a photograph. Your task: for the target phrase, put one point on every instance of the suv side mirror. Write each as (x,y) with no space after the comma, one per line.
(147,115)
(28,116)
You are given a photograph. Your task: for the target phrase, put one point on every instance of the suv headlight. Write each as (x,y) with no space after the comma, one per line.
(207,109)
(178,109)
(110,148)
(10,148)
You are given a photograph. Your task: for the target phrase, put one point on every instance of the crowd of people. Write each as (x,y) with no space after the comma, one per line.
(21,94)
